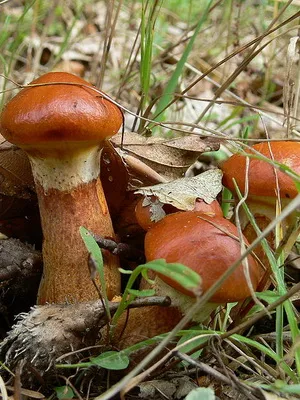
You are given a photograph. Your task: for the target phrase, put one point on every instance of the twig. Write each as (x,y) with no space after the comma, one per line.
(217,375)
(204,368)
(123,250)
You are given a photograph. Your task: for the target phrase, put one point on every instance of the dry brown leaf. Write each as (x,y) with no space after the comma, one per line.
(114,177)
(15,171)
(155,208)
(290,79)
(17,196)
(274,396)
(182,193)
(169,158)
(140,174)
(193,143)
(32,394)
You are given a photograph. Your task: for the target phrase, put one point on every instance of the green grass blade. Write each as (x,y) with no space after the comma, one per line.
(178,272)
(148,19)
(281,287)
(268,352)
(95,252)
(173,82)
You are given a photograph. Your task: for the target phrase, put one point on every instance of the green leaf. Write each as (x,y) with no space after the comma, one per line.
(92,246)
(146,277)
(125,271)
(150,12)
(96,254)
(142,293)
(189,347)
(180,273)
(297,184)
(268,296)
(173,82)
(183,275)
(113,360)
(64,392)
(201,393)
(226,197)
(269,352)
(285,388)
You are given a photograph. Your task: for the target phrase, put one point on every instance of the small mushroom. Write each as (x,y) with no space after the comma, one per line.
(150,210)
(62,124)
(209,246)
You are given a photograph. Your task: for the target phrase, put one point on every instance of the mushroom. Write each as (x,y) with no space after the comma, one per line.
(62,122)
(262,189)
(150,210)
(209,246)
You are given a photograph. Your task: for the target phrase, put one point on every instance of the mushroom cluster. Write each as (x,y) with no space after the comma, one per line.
(62,122)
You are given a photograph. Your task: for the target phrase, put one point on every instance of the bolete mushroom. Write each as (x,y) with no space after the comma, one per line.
(208,245)
(262,187)
(149,210)
(62,123)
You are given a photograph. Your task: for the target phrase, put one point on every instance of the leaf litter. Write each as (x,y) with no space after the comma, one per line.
(182,193)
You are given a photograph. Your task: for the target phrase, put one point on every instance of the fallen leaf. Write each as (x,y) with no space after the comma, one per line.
(15,171)
(182,193)
(291,76)
(149,390)
(156,208)
(193,143)
(114,177)
(274,396)
(28,393)
(169,158)
(17,196)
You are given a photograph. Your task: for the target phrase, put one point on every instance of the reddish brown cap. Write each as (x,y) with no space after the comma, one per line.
(58,113)
(262,180)
(213,209)
(145,217)
(199,242)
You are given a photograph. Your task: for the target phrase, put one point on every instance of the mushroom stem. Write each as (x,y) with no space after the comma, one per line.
(65,256)
(144,323)
(183,302)
(70,195)
(263,210)
(265,206)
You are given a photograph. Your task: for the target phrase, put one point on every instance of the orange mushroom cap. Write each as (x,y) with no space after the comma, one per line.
(200,243)
(146,218)
(262,179)
(58,113)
